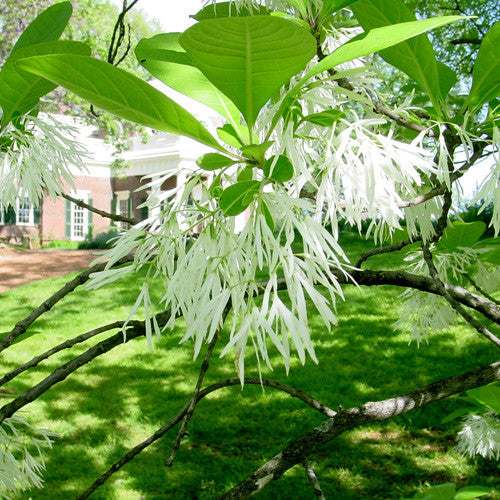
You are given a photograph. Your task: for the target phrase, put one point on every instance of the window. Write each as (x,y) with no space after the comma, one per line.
(123,207)
(79,217)
(24,212)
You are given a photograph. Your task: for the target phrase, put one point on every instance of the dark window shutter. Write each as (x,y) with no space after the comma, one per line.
(67,232)
(9,215)
(90,217)
(129,207)
(113,210)
(37,214)
(144,210)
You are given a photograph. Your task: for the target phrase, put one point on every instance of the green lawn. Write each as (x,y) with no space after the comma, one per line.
(122,397)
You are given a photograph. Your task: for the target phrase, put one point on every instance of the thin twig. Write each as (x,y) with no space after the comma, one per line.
(192,403)
(102,213)
(453,303)
(64,345)
(354,417)
(47,305)
(318,492)
(235,381)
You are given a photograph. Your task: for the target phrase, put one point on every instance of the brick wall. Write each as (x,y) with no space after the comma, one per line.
(53,220)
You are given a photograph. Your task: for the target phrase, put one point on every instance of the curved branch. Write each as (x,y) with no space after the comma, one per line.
(296,393)
(351,418)
(102,213)
(368,277)
(65,345)
(45,306)
(63,371)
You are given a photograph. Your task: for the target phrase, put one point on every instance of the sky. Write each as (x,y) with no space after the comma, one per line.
(173,15)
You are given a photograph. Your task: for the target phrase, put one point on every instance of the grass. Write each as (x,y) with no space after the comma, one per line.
(107,407)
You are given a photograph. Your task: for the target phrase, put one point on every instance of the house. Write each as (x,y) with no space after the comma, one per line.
(39,221)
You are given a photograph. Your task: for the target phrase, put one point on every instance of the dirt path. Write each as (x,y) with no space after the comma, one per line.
(18,267)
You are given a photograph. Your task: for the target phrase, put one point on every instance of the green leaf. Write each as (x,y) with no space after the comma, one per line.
(381,38)
(456,414)
(488,395)
(248,58)
(415,57)
(245,174)
(213,161)
(470,492)
(236,198)
(120,93)
(256,152)
(166,60)
(461,234)
(228,9)
(445,491)
(267,214)
(46,27)
(20,90)
(447,78)
(325,118)
(278,169)
(489,250)
(486,72)
(228,134)
(331,6)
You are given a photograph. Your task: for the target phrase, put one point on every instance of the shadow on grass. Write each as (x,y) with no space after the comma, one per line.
(118,400)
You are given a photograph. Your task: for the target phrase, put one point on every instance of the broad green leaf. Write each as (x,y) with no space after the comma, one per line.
(166,60)
(486,72)
(235,199)
(445,491)
(379,39)
(470,492)
(245,174)
(331,6)
(228,134)
(461,234)
(248,58)
(228,9)
(447,78)
(325,118)
(488,395)
(278,169)
(120,93)
(21,90)
(46,27)
(456,414)
(415,57)
(214,161)
(256,152)
(489,250)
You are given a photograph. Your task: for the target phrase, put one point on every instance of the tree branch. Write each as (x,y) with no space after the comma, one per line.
(318,492)
(102,213)
(351,418)
(192,402)
(64,345)
(63,371)
(464,40)
(47,305)
(453,303)
(296,393)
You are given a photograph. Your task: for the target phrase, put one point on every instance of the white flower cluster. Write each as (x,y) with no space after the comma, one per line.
(480,435)
(489,191)
(38,160)
(262,274)
(19,468)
